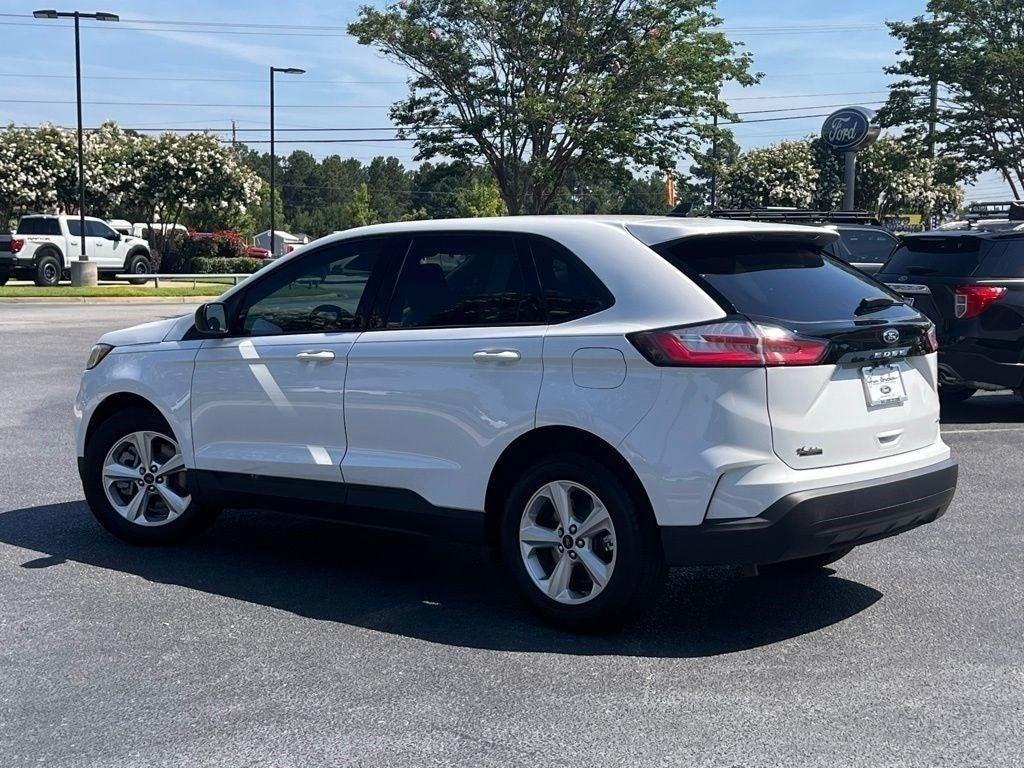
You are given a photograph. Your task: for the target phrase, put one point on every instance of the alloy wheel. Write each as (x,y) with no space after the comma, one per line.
(144,479)
(567,542)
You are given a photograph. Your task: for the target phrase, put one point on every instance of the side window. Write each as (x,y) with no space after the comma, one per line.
(74,227)
(97,229)
(464,280)
(570,289)
(320,293)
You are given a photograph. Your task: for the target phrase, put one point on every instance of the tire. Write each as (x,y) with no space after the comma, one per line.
(628,547)
(155,522)
(4,277)
(138,264)
(806,565)
(48,270)
(953,395)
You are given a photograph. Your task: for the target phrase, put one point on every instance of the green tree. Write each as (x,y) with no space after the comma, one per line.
(973,51)
(535,89)
(358,211)
(479,199)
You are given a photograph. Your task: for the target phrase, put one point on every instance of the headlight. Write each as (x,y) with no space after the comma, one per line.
(96,356)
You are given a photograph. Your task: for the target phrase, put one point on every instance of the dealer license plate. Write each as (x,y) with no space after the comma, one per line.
(883,385)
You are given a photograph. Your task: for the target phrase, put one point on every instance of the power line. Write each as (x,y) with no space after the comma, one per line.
(194,104)
(159,78)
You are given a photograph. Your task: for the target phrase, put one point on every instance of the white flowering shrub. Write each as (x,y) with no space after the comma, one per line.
(193,178)
(892,177)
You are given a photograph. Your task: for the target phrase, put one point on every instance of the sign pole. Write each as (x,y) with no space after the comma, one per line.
(849,179)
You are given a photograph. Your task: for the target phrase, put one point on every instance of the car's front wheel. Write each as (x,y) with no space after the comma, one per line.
(136,483)
(582,550)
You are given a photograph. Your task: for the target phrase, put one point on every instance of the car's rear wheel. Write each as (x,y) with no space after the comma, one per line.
(951,395)
(806,565)
(139,264)
(48,270)
(583,551)
(136,483)
(4,277)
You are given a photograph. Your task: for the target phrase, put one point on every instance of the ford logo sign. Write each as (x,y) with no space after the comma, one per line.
(890,335)
(850,129)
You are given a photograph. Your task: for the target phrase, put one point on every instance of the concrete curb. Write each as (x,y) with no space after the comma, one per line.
(106,299)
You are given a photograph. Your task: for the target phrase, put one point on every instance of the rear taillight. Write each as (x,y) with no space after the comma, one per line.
(729,344)
(932,339)
(17,244)
(972,300)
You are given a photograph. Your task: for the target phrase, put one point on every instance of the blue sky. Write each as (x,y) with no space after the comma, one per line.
(213,75)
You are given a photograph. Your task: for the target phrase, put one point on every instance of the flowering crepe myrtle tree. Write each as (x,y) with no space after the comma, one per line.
(33,169)
(892,177)
(533,89)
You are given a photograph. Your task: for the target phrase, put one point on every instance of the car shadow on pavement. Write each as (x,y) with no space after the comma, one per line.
(996,408)
(431,590)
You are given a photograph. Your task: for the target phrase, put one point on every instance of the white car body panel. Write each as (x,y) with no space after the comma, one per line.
(423,414)
(412,408)
(258,409)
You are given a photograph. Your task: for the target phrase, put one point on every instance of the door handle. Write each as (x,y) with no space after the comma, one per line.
(316,355)
(497,355)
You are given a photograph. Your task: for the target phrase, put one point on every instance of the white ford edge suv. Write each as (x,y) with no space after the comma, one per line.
(597,397)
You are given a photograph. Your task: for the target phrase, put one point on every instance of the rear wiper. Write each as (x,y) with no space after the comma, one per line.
(873,305)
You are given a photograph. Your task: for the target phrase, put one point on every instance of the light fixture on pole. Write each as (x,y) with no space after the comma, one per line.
(273,156)
(83,272)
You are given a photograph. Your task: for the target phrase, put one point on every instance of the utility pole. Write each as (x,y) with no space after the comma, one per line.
(714,165)
(933,103)
(234,134)
(273,156)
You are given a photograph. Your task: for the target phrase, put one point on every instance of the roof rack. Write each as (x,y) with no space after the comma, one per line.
(1011,210)
(795,215)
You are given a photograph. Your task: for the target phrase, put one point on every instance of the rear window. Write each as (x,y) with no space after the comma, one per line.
(865,246)
(955,256)
(38,225)
(775,279)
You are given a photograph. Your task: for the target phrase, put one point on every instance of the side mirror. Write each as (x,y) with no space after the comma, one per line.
(212,319)
(115,236)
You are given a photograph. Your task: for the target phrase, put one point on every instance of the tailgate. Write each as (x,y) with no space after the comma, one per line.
(820,415)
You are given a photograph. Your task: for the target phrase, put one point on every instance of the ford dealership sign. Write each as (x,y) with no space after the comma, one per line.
(850,129)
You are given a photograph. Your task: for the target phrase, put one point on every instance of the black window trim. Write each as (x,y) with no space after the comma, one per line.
(236,301)
(382,306)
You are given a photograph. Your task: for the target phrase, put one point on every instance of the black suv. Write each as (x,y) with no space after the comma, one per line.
(971,284)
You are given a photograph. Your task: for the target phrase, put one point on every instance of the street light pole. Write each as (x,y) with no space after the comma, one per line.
(83,272)
(83,256)
(273,155)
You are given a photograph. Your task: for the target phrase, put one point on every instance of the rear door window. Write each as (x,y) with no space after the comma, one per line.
(955,256)
(465,280)
(773,279)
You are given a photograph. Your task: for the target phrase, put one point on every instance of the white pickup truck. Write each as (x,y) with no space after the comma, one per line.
(44,246)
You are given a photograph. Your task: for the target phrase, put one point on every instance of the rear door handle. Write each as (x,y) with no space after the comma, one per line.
(316,355)
(497,355)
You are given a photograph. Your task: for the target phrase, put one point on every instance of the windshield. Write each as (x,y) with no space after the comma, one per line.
(774,279)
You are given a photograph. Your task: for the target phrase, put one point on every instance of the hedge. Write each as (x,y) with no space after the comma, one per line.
(236,266)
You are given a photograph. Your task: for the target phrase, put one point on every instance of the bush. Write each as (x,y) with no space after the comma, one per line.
(219,245)
(243,265)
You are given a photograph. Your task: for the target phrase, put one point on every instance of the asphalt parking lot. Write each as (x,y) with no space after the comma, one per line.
(282,641)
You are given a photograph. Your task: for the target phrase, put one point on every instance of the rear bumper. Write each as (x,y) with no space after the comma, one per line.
(8,261)
(814,522)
